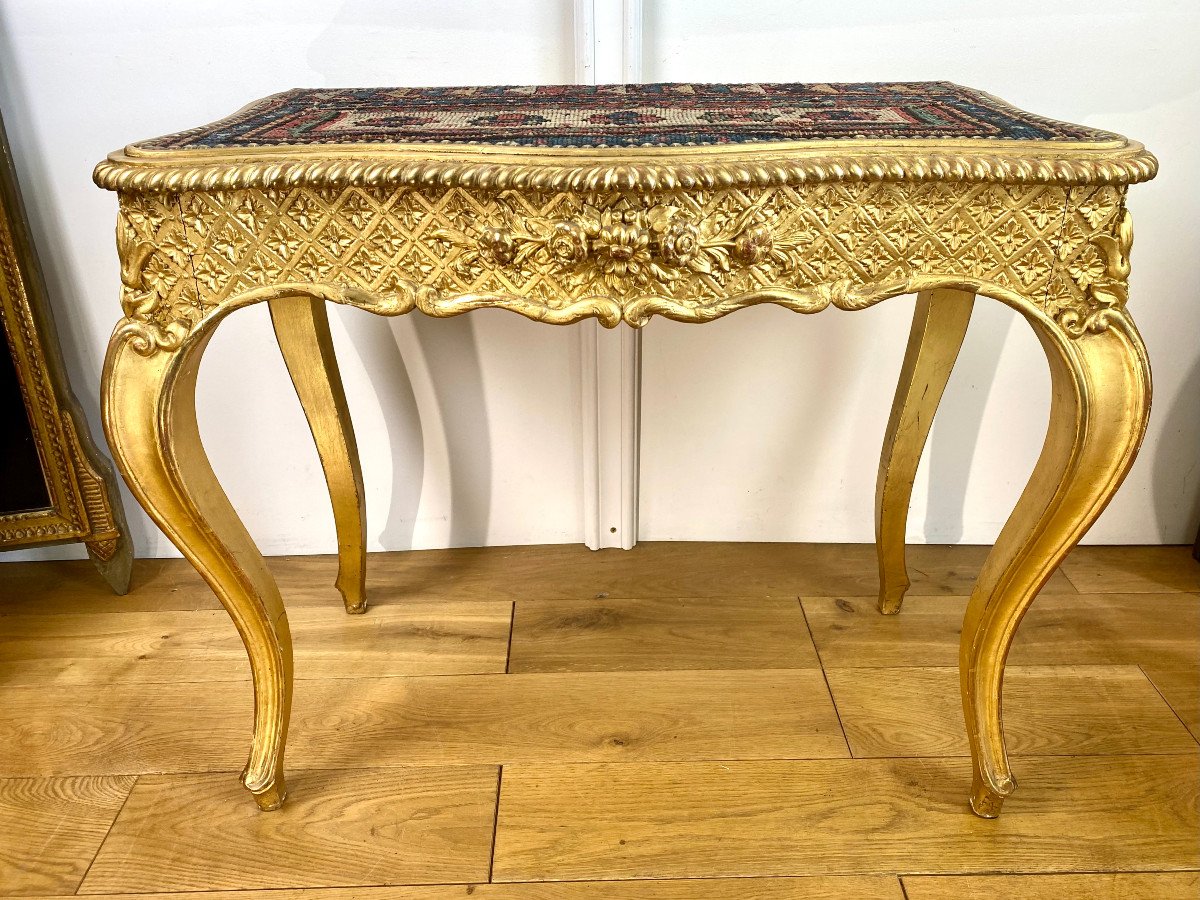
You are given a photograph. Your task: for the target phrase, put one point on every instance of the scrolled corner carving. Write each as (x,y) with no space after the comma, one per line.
(143,300)
(1107,294)
(147,338)
(138,299)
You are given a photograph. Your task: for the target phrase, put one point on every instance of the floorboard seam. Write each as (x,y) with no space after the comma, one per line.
(512,627)
(1040,873)
(108,831)
(1170,705)
(1078,591)
(495,824)
(825,676)
(665,761)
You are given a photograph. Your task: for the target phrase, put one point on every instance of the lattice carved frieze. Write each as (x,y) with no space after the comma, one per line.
(691,255)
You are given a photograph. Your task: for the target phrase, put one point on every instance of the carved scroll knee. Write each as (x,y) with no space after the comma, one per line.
(150,420)
(1099,409)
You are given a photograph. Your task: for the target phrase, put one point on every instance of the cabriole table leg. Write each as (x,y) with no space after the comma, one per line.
(302,329)
(150,420)
(1099,408)
(939,325)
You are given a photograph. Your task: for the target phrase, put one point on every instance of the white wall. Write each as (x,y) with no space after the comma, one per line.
(468,427)
(764,426)
(767,425)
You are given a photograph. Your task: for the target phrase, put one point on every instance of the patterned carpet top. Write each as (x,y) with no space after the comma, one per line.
(636,115)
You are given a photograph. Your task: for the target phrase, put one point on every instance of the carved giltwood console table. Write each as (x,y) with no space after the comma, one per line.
(685,201)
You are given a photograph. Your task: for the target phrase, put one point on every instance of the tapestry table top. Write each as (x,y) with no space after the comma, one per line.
(634,115)
(626,137)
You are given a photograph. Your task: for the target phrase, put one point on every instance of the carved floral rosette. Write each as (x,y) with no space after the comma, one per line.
(560,256)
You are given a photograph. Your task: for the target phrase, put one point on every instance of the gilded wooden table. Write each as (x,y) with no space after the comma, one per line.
(684,201)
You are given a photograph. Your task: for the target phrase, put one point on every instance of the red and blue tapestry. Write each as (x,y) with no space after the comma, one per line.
(635,115)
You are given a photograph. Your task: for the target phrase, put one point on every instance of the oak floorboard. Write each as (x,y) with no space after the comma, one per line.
(867,887)
(1048,710)
(50,828)
(1083,629)
(1094,886)
(339,828)
(1094,570)
(1181,689)
(437,720)
(671,569)
(203,645)
(642,635)
(74,586)
(658,820)
(592,716)
(672,725)
(551,571)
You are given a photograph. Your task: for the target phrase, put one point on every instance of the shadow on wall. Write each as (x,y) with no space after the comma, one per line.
(456,378)
(452,394)
(449,349)
(451,391)
(1177,450)
(808,413)
(379,353)
(954,437)
(461,453)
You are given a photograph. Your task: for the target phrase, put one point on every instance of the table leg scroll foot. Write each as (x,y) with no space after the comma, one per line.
(939,325)
(148,399)
(986,798)
(891,596)
(268,795)
(302,329)
(1099,407)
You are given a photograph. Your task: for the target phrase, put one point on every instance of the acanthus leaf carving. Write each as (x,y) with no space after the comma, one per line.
(1107,294)
(145,295)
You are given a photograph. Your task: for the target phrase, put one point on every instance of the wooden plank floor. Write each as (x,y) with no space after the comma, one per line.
(679,722)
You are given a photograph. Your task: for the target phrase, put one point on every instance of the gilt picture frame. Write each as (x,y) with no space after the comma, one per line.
(55,486)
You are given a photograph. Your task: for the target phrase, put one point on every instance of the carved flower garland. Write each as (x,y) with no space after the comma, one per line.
(568,243)
(628,246)
(753,244)
(680,243)
(497,246)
